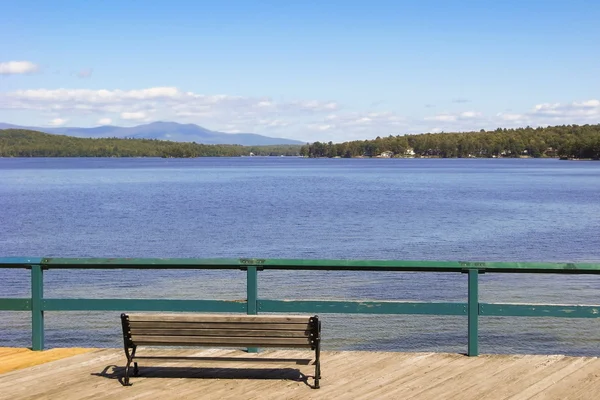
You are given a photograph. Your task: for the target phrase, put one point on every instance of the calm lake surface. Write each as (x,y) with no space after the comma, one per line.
(408,209)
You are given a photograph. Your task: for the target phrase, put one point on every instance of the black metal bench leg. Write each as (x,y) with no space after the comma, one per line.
(127,344)
(318,365)
(129,361)
(126,378)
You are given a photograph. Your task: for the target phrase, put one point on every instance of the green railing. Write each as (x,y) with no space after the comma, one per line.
(38,304)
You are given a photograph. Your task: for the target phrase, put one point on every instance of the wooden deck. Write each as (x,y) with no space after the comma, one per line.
(346,375)
(12,358)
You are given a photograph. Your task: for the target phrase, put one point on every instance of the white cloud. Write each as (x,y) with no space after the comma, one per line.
(588,103)
(360,121)
(18,67)
(246,114)
(96,96)
(320,127)
(442,118)
(155,93)
(543,114)
(133,115)
(104,121)
(57,122)
(584,112)
(314,105)
(470,114)
(197,114)
(187,103)
(308,120)
(511,117)
(273,123)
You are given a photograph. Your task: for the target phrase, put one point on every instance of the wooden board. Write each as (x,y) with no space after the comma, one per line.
(346,375)
(218,325)
(219,341)
(221,332)
(12,359)
(187,317)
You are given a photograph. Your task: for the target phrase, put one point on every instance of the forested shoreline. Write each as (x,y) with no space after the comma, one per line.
(566,141)
(26,143)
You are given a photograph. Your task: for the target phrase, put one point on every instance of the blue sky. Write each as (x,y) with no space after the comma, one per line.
(311,70)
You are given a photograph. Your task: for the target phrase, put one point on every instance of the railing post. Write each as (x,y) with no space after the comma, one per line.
(252,296)
(37,310)
(473,313)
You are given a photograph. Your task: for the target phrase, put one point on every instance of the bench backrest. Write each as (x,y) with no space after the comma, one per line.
(220,330)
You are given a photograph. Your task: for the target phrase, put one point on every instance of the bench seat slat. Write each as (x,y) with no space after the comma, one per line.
(219,332)
(218,318)
(236,345)
(220,341)
(219,325)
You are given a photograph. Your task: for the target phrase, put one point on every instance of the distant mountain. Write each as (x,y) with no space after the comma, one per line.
(9,126)
(172,131)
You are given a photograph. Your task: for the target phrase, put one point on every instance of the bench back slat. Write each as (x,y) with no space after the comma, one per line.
(220,341)
(209,325)
(212,318)
(241,332)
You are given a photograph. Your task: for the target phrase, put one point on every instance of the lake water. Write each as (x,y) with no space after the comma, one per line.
(407,209)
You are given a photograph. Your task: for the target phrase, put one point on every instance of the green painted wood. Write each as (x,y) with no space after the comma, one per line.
(252,296)
(7,304)
(307,306)
(144,263)
(300,264)
(539,310)
(473,309)
(37,309)
(123,305)
(19,262)
(361,307)
(252,290)
(439,266)
(473,320)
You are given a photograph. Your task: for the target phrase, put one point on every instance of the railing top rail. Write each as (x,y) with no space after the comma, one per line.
(300,264)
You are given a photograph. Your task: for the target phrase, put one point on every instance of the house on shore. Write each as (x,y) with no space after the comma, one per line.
(386,154)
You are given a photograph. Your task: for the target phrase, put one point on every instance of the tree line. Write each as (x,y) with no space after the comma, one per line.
(27,143)
(567,141)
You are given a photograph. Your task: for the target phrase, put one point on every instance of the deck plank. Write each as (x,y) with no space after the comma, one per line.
(352,374)
(581,383)
(17,358)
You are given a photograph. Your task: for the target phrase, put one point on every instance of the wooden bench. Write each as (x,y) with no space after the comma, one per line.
(220,331)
